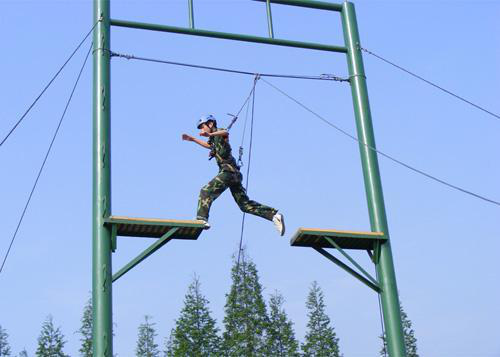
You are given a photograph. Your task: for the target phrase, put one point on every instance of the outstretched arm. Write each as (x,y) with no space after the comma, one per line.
(223,133)
(197,141)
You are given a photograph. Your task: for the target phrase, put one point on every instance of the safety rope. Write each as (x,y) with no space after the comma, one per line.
(240,151)
(45,159)
(434,178)
(322,77)
(48,84)
(248,169)
(430,83)
(382,326)
(235,117)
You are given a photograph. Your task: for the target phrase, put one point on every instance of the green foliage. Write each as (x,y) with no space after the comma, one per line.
(4,344)
(51,340)
(321,340)
(280,339)
(408,335)
(146,346)
(86,330)
(195,332)
(245,318)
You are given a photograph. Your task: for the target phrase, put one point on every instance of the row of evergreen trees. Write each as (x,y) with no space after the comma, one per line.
(251,328)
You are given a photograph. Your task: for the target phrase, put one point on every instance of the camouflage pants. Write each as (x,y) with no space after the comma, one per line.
(231,180)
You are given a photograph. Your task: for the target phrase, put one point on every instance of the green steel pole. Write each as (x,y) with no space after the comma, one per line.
(101,196)
(269,19)
(373,185)
(191,14)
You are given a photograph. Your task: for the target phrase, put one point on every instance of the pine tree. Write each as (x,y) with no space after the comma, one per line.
(281,340)
(321,339)
(86,330)
(169,345)
(195,332)
(51,340)
(4,344)
(408,335)
(146,346)
(23,353)
(245,318)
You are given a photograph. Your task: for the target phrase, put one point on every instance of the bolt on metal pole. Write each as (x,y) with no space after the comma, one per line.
(101,195)
(373,185)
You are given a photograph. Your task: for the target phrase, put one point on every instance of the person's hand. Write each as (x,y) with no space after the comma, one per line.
(204,133)
(187,137)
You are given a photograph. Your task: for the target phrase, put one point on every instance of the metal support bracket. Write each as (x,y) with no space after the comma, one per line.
(146,253)
(376,253)
(335,245)
(348,269)
(114,243)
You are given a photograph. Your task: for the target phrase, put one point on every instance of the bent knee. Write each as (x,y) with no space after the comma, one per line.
(245,208)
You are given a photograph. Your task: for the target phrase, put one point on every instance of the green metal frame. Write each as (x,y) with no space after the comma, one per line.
(226,36)
(104,242)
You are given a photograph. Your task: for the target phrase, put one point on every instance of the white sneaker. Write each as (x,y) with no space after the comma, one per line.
(279,223)
(205,223)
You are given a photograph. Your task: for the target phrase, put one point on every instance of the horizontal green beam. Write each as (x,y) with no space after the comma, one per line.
(227,36)
(152,248)
(309,4)
(348,269)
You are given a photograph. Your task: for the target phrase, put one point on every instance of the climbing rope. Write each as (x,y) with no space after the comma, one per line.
(434,178)
(45,159)
(48,84)
(322,77)
(430,83)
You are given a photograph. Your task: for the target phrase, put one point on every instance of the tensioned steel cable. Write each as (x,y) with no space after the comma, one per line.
(455,187)
(323,77)
(45,158)
(430,83)
(48,85)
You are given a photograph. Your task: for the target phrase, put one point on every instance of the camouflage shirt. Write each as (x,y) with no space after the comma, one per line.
(221,150)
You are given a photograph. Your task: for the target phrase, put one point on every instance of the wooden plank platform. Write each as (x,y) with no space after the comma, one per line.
(155,228)
(314,238)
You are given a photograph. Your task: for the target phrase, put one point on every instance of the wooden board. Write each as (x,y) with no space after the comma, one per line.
(155,228)
(315,238)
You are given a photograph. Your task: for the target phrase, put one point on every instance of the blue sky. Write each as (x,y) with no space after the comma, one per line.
(445,244)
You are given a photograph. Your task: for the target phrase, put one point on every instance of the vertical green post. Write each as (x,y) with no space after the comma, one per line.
(191,14)
(101,195)
(269,19)
(373,185)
